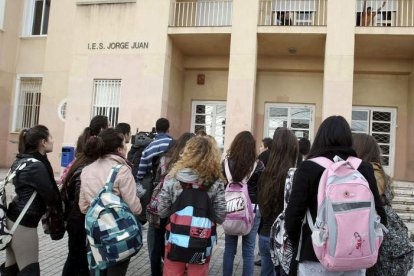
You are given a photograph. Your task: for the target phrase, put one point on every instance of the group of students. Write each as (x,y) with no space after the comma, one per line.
(190,188)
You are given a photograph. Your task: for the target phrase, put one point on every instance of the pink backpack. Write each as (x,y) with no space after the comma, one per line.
(347,232)
(240,215)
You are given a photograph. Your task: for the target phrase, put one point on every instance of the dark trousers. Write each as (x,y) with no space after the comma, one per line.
(77,262)
(120,269)
(159,249)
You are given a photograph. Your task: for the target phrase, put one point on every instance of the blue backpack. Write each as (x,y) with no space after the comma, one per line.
(111,228)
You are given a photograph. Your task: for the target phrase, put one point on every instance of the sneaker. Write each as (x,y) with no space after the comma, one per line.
(258,263)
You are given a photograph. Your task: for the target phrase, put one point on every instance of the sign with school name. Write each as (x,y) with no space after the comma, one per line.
(118,45)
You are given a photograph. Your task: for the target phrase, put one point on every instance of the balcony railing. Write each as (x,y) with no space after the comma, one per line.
(201,13)
(292,13)
(389,13)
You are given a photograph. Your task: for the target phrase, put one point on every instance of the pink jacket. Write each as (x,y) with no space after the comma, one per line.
(94,177)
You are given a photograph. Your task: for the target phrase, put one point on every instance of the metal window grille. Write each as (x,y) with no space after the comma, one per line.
(380,123)
(28,106)
(298,118)
(106,100)
(210,117)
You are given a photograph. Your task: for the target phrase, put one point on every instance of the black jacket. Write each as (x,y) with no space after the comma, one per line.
(34,177)
(304,196)
(72,191)
(252,183)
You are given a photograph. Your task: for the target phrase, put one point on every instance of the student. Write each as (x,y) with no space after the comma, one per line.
(271,191)
(368,16)
(148,164)
(97,124)
(333,138)
(242,159)
(197,172)
(166,163)
(396,252)
(304,147)
(264,150)
(22,254)
(125,129)
(76,262)
(109,146)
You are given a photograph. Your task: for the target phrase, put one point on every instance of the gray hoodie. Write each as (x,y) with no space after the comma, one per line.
(172,189)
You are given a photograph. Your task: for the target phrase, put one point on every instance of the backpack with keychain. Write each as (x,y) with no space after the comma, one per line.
(281,249)
(113,232)
(240,214)
(347,233)
(6,234)
(191,232)
(153,217)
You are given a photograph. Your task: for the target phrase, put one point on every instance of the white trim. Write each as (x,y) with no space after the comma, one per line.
(113,99)
(289,106)
(17,96)
(393,126)
(97,2)
(59,110)
(194,103)
(2,13)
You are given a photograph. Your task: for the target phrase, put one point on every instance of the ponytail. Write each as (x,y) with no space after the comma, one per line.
(94,147)
(29,138)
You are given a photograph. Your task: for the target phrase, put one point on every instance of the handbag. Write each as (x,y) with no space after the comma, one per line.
(53,221)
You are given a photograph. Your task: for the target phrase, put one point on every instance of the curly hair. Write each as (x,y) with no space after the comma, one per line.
(272,181)
(201,155)
(242,154)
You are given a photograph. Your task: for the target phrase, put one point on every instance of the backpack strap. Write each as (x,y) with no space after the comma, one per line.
(112,176)
(322,161)
(23,212)
(228,174)
(355,162)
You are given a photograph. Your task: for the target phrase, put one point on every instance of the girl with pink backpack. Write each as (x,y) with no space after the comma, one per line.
(333,145)
(242,170)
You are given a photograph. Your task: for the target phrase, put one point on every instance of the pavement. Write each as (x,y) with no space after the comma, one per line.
(52,257)
(53,254)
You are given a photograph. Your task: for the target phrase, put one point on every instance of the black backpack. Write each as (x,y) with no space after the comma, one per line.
(140,142)
(191,230)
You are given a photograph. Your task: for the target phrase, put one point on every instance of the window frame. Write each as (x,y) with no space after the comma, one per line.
(393,131)
(107,112)
(289,106)
(194,104)
(2,14)
(29,17)
(19,77)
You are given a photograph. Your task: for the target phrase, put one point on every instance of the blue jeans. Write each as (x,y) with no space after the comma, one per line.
(248,244)
(267,268)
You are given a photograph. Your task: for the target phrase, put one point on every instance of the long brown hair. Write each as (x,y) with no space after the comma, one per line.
(272,181)
(177,149)
(242,154)
(368,150)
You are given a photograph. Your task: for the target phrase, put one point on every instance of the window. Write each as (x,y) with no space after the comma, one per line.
(28,102)
(303,18)
(298,118)
(210,117)
(2,13)
(106,98)
(37,17)
(380,123)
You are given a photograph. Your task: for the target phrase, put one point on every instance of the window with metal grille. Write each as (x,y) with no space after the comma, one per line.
(28,103)
(106,99)
(2,13)
(298,118)
(37,17)
(304,18)
(380,123)
(210,116)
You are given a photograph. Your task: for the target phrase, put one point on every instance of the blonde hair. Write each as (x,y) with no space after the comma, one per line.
(202,156)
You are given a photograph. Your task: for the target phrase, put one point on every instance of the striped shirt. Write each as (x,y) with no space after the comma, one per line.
(157,147)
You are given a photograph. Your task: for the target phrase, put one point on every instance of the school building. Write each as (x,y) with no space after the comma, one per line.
(218,65)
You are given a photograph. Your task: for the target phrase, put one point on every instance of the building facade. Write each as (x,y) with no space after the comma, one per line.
(218,65)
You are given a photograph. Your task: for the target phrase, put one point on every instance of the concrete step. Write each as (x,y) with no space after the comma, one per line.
(404,193)
(404,200)
(407,218)
(403,185)
(403,208)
